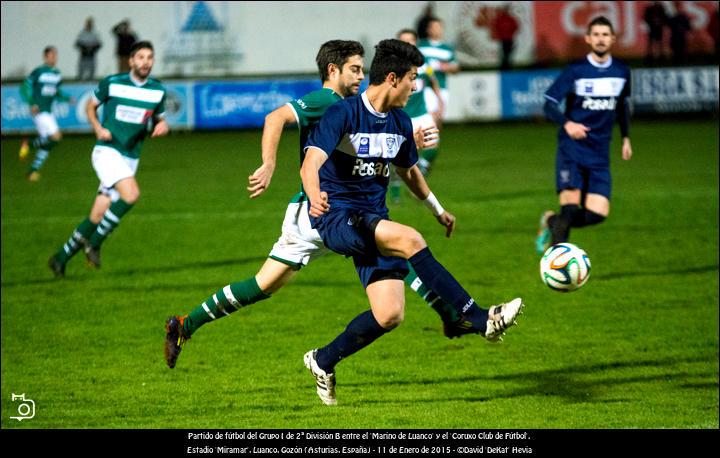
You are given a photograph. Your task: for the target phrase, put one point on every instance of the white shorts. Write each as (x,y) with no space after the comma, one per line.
(299,243)
(111,167)
(46,124)
(431,101)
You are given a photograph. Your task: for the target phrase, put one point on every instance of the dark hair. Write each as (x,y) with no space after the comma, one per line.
(404,31)
(138,45)
(393,56)
(600,20)
(48,50)
(336,52)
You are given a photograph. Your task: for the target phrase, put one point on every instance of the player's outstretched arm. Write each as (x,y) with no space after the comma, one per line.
(449,67)
(427,137)
(415,181)
(309,172)
(161,128)
(275,121)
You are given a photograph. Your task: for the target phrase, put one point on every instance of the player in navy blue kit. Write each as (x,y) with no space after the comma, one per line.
(345,175)
(597,91)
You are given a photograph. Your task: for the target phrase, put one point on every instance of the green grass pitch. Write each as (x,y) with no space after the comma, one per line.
(637,347)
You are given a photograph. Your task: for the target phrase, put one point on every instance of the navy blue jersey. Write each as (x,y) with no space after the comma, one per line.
(361,143)
(594,94)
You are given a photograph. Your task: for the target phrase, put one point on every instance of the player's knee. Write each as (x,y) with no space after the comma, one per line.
(391,318)
(413,242)
(131,196)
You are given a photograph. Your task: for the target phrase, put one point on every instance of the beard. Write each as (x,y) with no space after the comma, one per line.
(140,73)
(601,52)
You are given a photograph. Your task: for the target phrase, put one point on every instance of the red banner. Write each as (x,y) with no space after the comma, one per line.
(560,27)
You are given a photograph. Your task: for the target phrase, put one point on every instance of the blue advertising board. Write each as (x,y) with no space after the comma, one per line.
(522,92)
(178,104)
(675,90)
(16,116)
(240,104)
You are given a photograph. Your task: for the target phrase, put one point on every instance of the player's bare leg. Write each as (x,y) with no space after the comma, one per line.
(598,203)
(273,275)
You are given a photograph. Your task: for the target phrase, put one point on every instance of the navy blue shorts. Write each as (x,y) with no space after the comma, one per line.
(589,178)
(351,233)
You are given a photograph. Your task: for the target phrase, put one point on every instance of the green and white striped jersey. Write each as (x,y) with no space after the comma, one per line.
(416,103)
(128,109)
(308,111)
(42,87)
(435,52)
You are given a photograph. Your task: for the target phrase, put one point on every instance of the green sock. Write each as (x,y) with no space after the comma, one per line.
(224,302)
(73,245)
(41,156)
(110,221)
(43,145)
(430,154)
(41,142)
(446,311)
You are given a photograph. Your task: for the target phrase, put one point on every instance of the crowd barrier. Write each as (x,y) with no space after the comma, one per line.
(474,96)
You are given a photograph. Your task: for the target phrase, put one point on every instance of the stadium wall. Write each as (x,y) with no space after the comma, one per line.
(474,96)
(232,39)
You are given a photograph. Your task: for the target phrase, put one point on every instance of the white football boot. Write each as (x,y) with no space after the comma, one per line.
(325,382)
(501,317)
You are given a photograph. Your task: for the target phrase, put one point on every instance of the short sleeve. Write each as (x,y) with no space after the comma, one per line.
(329,131)
(102,91)
(26,90)
(311,107)
(160,110)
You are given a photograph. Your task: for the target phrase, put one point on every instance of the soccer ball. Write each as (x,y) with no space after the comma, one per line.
(565,267)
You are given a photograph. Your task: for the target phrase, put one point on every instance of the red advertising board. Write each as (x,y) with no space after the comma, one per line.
(560,27)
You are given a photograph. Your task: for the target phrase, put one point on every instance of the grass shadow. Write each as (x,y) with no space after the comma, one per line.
(687,270)
(143,270)
(563,382)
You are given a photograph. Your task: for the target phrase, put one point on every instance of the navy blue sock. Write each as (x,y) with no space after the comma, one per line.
(561,223)
(587,218)
(439,280)
(361,332)
(571,216)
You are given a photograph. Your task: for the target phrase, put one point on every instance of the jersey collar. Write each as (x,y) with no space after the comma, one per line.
(369,106)
(332,91)
(605,64)
(137,82)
